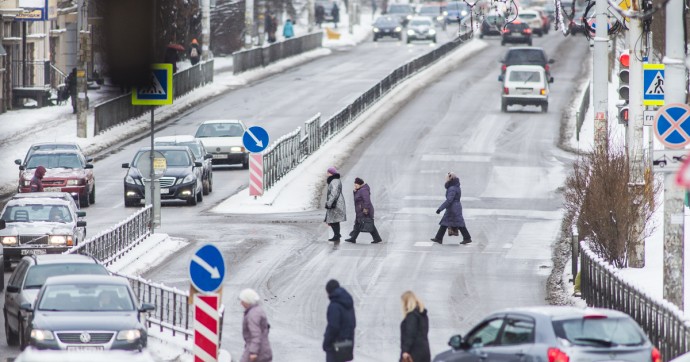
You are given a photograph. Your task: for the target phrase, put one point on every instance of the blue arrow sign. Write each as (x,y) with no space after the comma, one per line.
(207,269)
(255,139)
(672,125)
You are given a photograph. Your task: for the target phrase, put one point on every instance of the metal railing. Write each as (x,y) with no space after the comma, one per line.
(582,111)
(31,74)
(664,323)
(244,60)
(120,109)
(291,149)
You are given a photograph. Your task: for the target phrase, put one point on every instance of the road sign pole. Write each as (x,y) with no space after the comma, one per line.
(600,76)
(206,327)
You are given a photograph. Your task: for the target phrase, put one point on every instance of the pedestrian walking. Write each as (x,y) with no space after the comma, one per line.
(452,218)
(335,203)
(335,13)
(319,14)
(414,330)
(36,184)
(71,81)
(172,57)
(269,23)
(339,338)
(288,30)
(364,213)
(255,329)
(194,52)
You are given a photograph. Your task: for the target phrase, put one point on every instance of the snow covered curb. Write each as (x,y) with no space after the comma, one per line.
(148,254)
(301,188)
(160,345)
(568,139)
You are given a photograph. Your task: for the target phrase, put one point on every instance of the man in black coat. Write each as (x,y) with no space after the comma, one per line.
(341,319)
(71,81)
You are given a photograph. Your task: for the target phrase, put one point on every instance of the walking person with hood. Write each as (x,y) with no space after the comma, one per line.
(71,82)
(194,52)
(255,329)
(36,183)
(452,218)
(288,29)
(364,213)
(339,338)
(335,13)
(335,203)
(414,330)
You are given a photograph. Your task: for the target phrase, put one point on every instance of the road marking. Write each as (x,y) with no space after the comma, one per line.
(507,245)
(531,182)
(457,158)
(424,243)
(476,213)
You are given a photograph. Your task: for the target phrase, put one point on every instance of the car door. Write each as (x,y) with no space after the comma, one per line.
(12,300)
(515,341)
(479,341)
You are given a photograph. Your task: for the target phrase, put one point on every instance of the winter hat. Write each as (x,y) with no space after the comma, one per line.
(332,285)
(359,181)
(332,170)
(194,41)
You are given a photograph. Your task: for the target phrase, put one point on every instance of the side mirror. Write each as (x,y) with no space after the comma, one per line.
(18,162)
(22,167)
(2,224)
(500,78)
(81,224)
(550,79)
(125,165)
(198,164)
(146,307)
(455,342)
(89,159)
(26,307)
(12,289)
(208,156)
(81,213)
(89,165)
(551,61)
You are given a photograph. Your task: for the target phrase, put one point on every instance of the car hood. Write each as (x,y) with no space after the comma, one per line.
(57,173)
(387,26)
(420,29)
(80,320)
(211,143)
(37,228)
(169,172)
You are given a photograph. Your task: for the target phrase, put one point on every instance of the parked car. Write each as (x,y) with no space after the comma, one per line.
(526,56)
(181,180)
(37,226)
(28,278)
(387,26)
(553,333)
(492,24)
(516,32)
(525,85)
(223,139)
(435,12)
(200,155)
(52,146)
(421,28)
(404,12)
(545,20)
(533,19)
(456,11)
(85,313)
(66,171)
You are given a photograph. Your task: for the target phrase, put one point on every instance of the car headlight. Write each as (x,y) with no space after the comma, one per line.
(439,17)
(27,182)
(445,13)
(410,32)
(463,13)
(60,239)
(398,29)
(41,335)
(129,335)
(73,182)
(9,240)
(409,17)
(376,30)
(189,178)
(432,31)
(236,149)
(130,180)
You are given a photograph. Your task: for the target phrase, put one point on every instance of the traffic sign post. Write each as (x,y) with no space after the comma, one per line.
(653,90)
(256,174)
(207,269)
(672,125)
(206,272)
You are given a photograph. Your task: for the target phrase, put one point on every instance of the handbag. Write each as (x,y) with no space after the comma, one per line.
(343,350)
(453,231)
(366,225)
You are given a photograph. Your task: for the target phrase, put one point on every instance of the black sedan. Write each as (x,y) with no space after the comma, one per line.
(200,155)
(387,26)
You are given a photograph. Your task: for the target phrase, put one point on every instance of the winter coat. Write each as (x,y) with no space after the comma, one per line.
(255,333)
(362,202)
(36,183)
(453,215)
(341,319)
(288,30)
(335,201)
(171,57)
(194,59)
(335,13)
(320,14)
(414,331)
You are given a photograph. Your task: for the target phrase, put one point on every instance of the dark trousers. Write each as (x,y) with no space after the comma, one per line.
(442,231)
(374,233)
(73,97)
(336,230)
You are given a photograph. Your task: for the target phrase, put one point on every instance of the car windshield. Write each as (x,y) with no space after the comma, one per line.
(526,56)
(516,26)
(55,160)
(456,6)
(494,20)
(55,146)
(420,22)
(220,130)
(86,297)
(600,332)
(527,16)
(387,21)
(196,149)
(37,212)
(399,9)
(430,10)
(173,158)
(524,76)
(38,274)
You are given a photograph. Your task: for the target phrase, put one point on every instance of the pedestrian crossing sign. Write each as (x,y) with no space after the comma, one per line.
(653,85)
(160,90)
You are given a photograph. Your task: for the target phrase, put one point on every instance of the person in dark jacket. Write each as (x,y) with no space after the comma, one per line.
(71,82)
(172,57)
(414,330)
(194,52)
(320,14)
(335,203)
(37,181)
(335,13)
(452,218)
(364,213)
(341,319)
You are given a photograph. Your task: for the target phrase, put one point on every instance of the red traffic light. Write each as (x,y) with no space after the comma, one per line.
(623,114)
(624,59)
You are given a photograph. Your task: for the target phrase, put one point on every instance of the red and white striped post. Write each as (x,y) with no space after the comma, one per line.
(206,327)
(256,174)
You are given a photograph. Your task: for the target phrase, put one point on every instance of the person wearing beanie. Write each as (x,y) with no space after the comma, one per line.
(335,203)
(37,181)
(255,327)
(452,218)
(194,52)
(364,213)
(340,330)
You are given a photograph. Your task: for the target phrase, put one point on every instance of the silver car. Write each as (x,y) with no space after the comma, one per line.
(223,139)
(554,334)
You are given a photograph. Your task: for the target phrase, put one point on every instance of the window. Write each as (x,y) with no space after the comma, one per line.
(86,297)
(37,212)
(220,130)
(486,334)
(599,331)
(18,276)
(524,76)
(57,160)
(517,331)
(38,274)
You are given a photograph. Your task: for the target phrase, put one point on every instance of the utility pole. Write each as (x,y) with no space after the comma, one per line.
(636,256)
(248,23)
(675,77)
(82,99)
(600,75)
(311,16)
(205,28)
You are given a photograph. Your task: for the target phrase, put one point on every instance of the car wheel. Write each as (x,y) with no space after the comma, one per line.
(84,200)
(132,202)
(529,42)
(200,196)
(210,182)
(503,43)
(204,187)
(245,164)
(545,107)
(11,337)
(92,195)
(504,106)
(408,40)
(433,40)
(192,201)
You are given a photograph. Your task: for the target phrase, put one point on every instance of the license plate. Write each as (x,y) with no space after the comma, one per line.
(215,155)
(525,90)
(165,191)
(33,251)
(84,348)
(52,189)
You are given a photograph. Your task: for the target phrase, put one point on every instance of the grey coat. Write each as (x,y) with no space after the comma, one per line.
(453,215)
(335,201)
(255,333)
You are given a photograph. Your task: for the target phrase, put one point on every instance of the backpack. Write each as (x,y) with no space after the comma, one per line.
(194,53)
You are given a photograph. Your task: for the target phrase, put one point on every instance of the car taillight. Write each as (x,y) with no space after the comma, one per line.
(656,355)
(543,92)
(527,31)
(506,90)
(546,67)
(503,68)
(556,355)
(506,31)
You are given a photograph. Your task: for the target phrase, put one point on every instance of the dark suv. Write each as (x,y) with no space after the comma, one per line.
(28,278)
(517,32)
(492,25)
(526,56)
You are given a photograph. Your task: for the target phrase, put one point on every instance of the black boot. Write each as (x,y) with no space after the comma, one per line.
(336,231)
(466,238)
(376,236)
(439,235)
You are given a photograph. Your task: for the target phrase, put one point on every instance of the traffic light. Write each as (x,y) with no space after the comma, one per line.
(623,88)
(623,114)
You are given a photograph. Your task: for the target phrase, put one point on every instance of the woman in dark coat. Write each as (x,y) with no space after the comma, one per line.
(452,218)
(414,330)
(335,203)
(364,213)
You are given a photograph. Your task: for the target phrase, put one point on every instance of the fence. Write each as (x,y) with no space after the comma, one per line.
(262,56)
(120,109)
(31,74)
(291,149)
(663,322)
(582,111)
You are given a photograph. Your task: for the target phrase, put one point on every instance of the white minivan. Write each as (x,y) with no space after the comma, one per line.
(525,85)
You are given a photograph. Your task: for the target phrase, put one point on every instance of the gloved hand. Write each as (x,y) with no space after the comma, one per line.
(366,211)
(438,211)
(327,207)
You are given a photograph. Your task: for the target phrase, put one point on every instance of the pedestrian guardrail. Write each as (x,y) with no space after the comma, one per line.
(291,149)
(582,111)
(245,60)
(663,322)
(120,109)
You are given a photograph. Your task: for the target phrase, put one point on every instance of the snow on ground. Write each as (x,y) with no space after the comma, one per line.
(301,188)
(147,254)
(167,347)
